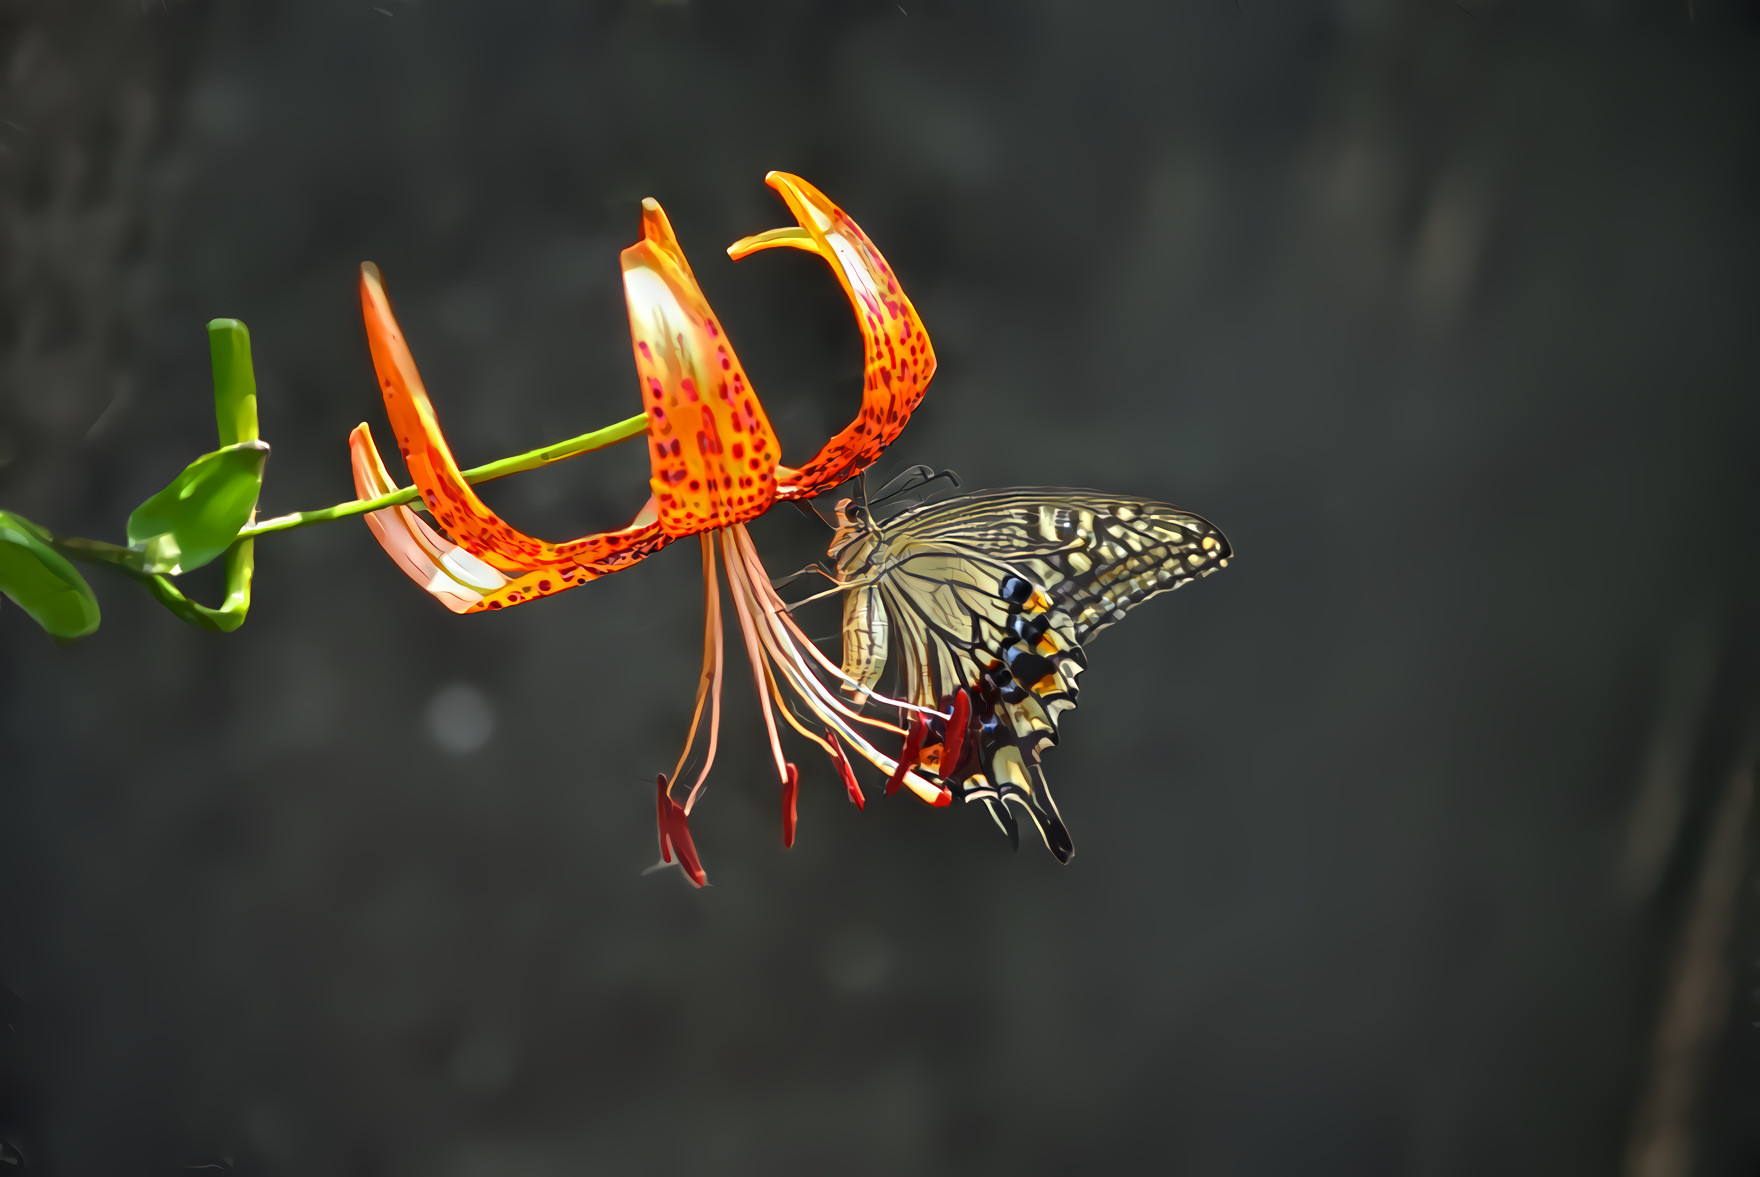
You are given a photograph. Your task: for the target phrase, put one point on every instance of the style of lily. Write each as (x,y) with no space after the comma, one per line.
(716,465)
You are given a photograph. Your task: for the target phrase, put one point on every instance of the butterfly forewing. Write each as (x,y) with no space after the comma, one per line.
(1096,555)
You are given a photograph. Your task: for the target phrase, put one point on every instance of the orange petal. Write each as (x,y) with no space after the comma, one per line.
(899,359)
(712,450)
(456,577)
(534,567)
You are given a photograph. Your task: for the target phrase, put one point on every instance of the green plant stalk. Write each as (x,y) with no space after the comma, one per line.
(93,551)
(240,564)
(586,443)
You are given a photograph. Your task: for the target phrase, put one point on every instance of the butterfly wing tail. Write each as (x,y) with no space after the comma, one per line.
(1021,783)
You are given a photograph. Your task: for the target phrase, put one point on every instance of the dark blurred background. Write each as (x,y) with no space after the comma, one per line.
(1416,842)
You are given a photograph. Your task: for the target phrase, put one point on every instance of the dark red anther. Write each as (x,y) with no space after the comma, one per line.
(955,743)
(683,846)
(907,759)
(661,801)
(845,771)
(675,836)
(791,792)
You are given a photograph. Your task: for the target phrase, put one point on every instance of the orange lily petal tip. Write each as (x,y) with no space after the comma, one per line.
(899,360)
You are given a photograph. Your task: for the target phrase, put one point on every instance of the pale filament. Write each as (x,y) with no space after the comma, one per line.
(782,611)
(774,645)
(710,679)
(783,641)
(760,667)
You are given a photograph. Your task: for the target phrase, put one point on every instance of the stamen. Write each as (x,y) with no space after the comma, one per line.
(906,759)
(753,651)
(675,835)
(709,679)
(953,745)
(849,776)
(791,791)
(828,707)
(778,611)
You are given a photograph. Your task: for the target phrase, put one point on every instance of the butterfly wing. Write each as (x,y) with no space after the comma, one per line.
(996,592)
(961,619)
(1097,556)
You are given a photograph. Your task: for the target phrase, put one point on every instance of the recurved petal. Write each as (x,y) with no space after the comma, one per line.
(532,567)
(899,358)
(458,579)
(711,448)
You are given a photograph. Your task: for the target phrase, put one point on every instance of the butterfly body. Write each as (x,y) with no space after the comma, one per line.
(995,594)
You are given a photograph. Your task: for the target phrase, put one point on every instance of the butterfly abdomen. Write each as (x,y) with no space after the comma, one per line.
(865,634)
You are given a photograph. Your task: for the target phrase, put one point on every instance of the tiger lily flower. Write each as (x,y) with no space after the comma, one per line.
(715,465)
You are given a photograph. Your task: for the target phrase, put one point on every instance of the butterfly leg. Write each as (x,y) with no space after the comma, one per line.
(814,569)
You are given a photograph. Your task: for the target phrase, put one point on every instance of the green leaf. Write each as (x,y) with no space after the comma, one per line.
(235,381)
(41,581)
(199,515)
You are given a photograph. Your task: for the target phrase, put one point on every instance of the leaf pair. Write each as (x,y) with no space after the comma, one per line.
(188,524)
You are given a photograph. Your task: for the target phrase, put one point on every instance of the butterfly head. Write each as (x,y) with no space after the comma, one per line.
(855,524)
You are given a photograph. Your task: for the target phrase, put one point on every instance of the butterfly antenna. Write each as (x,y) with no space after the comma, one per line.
(921,478)
(911,477)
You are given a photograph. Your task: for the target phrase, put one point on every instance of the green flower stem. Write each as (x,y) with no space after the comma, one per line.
(586,443)
(240,564)
(96,551)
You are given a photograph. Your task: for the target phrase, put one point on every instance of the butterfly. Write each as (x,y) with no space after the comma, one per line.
(984,604)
